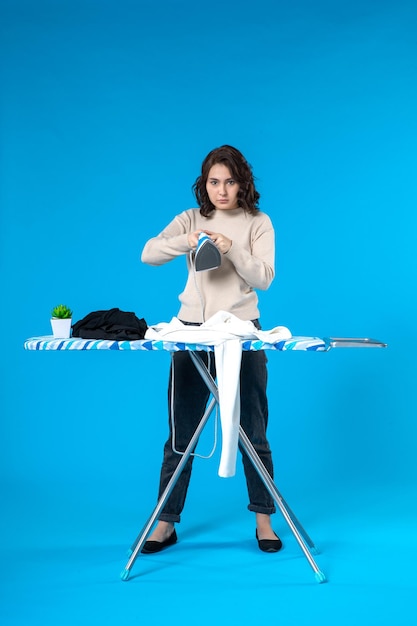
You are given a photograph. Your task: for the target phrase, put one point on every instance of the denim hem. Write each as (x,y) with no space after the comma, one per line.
(262,509)
(166,517)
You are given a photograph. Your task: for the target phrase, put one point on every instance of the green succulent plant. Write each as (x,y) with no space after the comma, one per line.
(61,312)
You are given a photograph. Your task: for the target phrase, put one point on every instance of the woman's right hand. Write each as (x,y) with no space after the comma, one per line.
(193,239)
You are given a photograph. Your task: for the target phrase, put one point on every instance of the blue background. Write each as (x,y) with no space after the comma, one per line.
(107,110)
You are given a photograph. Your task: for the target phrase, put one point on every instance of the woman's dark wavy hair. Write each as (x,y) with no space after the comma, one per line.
(241,171)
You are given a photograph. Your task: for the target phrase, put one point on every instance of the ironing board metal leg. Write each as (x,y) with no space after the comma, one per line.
(270,485)
(141,538)
(298,531)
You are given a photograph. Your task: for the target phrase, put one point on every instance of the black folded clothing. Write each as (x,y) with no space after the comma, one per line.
(112,324)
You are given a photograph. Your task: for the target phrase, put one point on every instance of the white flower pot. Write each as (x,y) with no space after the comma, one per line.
(61,329)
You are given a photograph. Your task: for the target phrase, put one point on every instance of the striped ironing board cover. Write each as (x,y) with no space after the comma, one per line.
(314,344)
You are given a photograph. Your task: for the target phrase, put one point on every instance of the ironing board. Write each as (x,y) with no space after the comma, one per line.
(313,344)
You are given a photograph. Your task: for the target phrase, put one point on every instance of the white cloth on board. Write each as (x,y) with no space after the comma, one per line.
(225,332)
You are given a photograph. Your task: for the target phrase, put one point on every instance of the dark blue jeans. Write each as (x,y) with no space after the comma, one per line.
(189,398)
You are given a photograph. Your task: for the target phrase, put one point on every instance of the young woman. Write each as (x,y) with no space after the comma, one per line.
(229,214)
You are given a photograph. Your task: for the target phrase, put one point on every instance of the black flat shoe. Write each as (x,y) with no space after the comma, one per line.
(150,547)
(269,545)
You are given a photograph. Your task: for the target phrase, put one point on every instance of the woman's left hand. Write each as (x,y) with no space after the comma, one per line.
(222,242)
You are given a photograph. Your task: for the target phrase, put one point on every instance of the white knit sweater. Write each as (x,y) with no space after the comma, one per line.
(248,265)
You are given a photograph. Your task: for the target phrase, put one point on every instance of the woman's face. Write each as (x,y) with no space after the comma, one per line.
(222,189)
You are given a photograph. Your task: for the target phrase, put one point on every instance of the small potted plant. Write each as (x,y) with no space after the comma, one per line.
(61,320)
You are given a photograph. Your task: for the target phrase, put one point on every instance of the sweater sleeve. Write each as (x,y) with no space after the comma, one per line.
(170,243)
(256,266)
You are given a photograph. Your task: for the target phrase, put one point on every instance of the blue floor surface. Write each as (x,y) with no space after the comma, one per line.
(62,572)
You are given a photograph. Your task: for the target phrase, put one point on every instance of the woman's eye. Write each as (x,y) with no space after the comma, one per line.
(231,182)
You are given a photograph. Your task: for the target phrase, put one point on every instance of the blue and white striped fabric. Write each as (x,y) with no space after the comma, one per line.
(312,344)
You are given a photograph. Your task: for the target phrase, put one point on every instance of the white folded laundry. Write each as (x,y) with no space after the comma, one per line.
(218,328)
(225,332)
